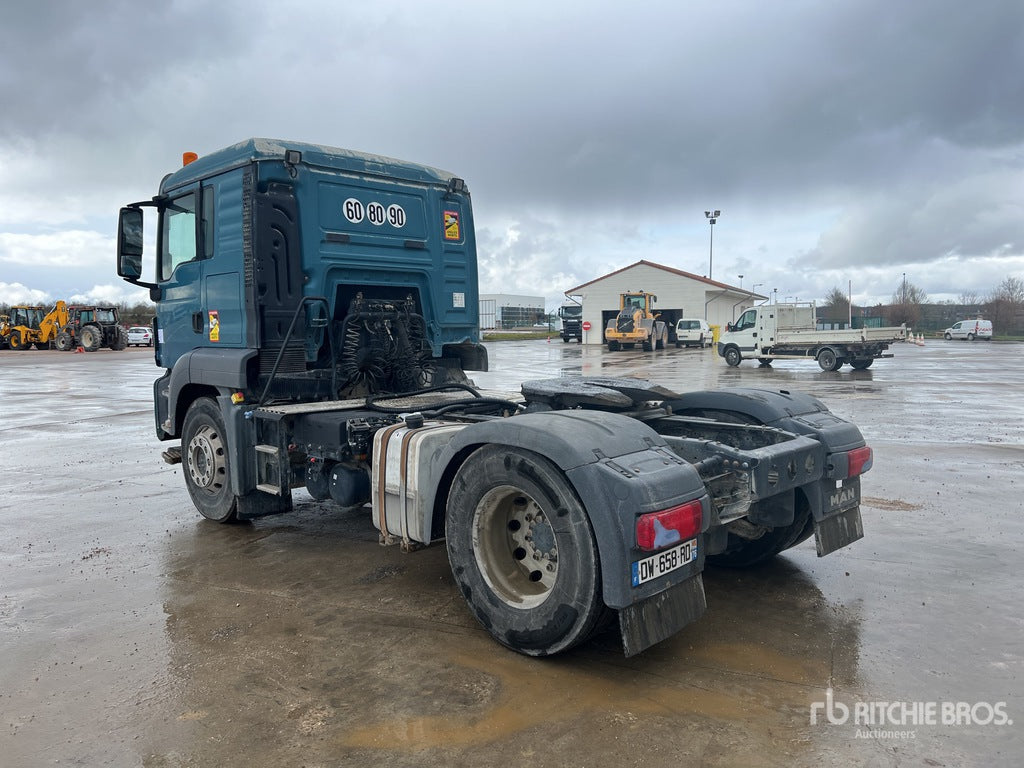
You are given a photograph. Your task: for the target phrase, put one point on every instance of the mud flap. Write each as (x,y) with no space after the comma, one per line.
(662,615)
(837,531)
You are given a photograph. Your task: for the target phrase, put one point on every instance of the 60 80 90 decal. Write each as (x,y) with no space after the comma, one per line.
(374,212)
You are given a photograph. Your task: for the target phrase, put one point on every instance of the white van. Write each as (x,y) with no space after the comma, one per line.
(693,333)
(970,330)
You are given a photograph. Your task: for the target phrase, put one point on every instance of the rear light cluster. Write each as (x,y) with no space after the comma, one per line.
(656,530)
(859,461)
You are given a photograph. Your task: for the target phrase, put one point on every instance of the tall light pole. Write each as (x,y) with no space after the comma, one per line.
(712,217)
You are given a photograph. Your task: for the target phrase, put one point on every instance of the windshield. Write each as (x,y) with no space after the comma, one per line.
(573,311)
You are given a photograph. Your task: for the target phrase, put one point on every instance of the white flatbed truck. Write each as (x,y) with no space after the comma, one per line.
(788,332)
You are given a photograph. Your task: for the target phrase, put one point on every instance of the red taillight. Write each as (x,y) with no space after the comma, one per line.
(859,461)
(656,530)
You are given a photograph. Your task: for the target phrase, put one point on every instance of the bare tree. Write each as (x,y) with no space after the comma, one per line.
(1006,303)
(836,307)
(969,299)
(906,303)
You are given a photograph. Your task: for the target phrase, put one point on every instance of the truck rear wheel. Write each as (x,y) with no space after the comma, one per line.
(862,364)
(522,551)
(828,361)
(206,463)
(733,357)
(742,552)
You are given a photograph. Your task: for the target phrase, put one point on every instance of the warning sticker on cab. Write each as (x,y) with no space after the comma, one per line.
(451,226)
(214,325)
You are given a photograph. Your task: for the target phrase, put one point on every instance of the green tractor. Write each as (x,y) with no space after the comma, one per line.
(92,328)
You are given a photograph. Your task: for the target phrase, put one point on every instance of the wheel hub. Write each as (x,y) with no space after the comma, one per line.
(205,459)
(515,546)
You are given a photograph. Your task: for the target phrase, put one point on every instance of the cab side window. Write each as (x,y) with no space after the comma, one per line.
(178,235)
(747,320)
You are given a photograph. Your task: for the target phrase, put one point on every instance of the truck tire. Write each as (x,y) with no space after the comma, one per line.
(862,363)
(42,345)
(120,339)
(744,553)
(733,357)
(64,341)
(613,346)
(205,462)
(828,361)
(764,361)
(647,346)
(970,337)
(16,340)
(522,551)
(949,337)
(91,338)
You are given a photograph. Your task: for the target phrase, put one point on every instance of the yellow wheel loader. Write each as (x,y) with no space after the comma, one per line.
(636,323)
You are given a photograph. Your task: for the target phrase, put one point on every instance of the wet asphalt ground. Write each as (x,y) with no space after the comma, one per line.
(133,633)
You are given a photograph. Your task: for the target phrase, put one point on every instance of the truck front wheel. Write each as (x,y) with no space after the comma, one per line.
(522,551)
(206,462)
(732,357)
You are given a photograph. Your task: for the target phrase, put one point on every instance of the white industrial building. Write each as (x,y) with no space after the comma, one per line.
(680,294)
(506,310)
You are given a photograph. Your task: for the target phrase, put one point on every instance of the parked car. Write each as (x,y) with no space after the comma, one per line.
(970,330)
(693,332)
(140,336)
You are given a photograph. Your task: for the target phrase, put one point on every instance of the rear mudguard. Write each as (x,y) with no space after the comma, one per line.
(619,468)
(835,498)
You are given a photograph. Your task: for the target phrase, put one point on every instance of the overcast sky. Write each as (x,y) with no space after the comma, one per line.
(842,141)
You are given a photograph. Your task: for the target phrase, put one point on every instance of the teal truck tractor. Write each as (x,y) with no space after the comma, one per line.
(317,310)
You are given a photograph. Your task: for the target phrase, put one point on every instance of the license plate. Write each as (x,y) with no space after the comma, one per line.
(664,562)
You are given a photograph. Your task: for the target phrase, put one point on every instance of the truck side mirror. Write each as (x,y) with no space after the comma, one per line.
(129,243)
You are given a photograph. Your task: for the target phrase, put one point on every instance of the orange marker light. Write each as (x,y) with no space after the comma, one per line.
(188,157)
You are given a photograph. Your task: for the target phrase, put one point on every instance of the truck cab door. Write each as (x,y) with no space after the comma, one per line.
(180,321)
(744,331)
